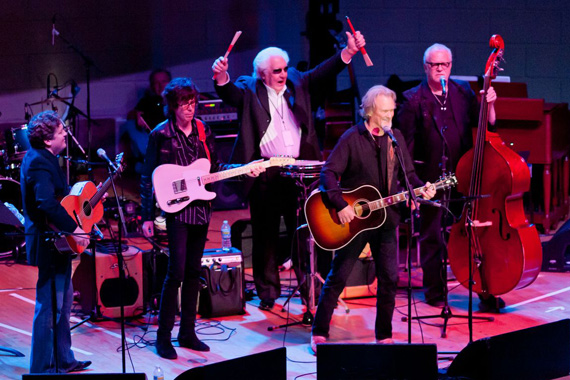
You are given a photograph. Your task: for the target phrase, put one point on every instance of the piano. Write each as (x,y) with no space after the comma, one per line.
(540,133)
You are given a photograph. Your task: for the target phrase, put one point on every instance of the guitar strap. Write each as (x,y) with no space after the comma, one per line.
(202,136)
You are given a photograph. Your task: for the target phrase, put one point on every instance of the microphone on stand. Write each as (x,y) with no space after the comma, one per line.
(54,31)
(388,130)
(102,154)
(443,89)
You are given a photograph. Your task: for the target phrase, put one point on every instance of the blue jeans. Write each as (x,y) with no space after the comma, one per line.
(383,245)
(42,356)
(186,244)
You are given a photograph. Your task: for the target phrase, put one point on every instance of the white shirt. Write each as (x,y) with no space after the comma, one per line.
(283,135)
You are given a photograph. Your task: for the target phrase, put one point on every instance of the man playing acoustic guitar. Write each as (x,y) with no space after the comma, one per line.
(43,182)
(364,156)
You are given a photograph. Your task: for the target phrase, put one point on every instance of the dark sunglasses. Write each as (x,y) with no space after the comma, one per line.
(278,71)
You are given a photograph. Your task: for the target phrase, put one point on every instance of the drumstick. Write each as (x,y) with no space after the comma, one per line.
(236,36)
(362,50)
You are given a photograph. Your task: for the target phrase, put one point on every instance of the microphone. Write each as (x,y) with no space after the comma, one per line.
(54,31)
(388,130)
(428,202)
(443,90)
(101,153)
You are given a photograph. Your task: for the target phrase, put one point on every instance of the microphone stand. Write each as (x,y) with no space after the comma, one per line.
(122,276)
(446,312)
(414,216)
(88,63)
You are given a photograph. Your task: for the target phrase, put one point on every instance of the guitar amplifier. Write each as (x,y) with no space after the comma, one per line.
(223,280)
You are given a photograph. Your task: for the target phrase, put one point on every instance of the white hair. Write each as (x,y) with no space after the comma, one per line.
(437,47)
(368,99)
(261,61)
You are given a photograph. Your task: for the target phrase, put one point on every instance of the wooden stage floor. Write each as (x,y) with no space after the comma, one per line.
(546,300)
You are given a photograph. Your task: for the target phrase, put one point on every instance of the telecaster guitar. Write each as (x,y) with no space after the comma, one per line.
(325,227)
(177,186)
(84,205)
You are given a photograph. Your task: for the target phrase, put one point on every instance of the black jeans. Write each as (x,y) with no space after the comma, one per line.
(186,244)
(383,245)
(271,197)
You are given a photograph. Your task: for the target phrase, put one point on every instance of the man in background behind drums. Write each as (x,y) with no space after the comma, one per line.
(43,182)
(276,119)
(437,126)
(364,156)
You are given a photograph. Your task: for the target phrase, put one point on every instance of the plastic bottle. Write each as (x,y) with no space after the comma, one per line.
(226,236)
(158,374)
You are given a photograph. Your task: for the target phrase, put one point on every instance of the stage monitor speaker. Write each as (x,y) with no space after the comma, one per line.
(107,297)
(556,251)
(261,366)
(377,361)
(86,376)
(536,353)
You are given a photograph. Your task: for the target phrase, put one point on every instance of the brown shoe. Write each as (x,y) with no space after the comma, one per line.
(315,340)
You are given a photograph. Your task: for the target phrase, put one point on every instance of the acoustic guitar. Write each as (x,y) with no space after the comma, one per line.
(84,205)
(368,205)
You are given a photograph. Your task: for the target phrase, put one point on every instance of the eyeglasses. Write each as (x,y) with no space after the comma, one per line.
(188,104)
(445,65)
(278,71)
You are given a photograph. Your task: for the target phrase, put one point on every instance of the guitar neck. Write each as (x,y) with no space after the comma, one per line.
(100,192)
(398,198)
(219,176)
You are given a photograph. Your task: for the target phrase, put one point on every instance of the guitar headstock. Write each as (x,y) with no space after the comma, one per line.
(446,182)
(119,162)
(498,45)
(281,161)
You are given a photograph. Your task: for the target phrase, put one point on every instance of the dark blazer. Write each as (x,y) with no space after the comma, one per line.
(421,129)
(43,185)
(249,95)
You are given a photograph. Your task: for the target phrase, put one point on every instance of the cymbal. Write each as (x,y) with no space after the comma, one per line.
(50,100)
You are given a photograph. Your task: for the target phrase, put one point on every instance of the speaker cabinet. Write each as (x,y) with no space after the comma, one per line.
(230,193)
(261,366)
(99,286)
(377,361)
(556,251)
(536,353)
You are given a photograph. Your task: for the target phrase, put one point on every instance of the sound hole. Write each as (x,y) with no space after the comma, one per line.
(87,208)
(362,209)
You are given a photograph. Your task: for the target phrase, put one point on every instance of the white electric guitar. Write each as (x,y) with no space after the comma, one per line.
(176,186)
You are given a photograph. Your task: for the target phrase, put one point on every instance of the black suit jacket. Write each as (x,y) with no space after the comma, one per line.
(249,95)
(421,129)
(43,185)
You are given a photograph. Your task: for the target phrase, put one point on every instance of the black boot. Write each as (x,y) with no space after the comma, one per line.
(192,342)
(164,347)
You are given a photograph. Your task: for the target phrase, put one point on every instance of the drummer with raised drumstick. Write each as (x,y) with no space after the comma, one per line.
(276,119)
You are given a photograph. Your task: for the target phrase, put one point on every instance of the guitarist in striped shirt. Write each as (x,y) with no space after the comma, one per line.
(364,156)
(180,140)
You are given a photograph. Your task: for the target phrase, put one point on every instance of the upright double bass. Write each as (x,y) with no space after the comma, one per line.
(493,233)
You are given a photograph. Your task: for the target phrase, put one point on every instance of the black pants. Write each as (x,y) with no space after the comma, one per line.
(186,244)
(271,197)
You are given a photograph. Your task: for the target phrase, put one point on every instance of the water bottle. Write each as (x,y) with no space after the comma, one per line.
(226,236)
(158,374)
